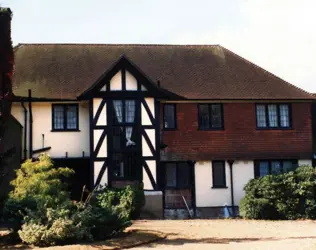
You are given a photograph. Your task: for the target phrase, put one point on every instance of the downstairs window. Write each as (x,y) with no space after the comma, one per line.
(267,167)
(177,175)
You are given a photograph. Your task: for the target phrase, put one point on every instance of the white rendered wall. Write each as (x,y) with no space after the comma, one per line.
(103,152)
(131,82)
(152,167)
(102,118)
(243,171)
(116,82)
(151,104)
(305,162)
(152,138)
(97,168)
(18,112)
(206,196)
(60,142)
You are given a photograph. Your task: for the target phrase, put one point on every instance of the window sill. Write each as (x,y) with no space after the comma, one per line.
(210,129)
(218,187)
(65,130)
(176,188)
(169,129)
(278,128)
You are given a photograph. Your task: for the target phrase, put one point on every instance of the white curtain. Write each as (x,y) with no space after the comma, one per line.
(130,118)
(118,110)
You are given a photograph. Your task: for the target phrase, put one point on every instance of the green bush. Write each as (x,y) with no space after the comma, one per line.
(71,223)
(285,196)
(37,185)
(44,215)
(127,202)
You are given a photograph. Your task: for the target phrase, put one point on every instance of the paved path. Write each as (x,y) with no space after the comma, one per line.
(232,234)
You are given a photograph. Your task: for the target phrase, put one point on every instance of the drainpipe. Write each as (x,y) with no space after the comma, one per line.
(25,130)
(31,125)
(231,162)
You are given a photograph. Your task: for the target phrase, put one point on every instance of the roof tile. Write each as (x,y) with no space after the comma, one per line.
(64,71)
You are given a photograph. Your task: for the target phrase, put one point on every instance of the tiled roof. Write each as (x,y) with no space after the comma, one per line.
(65,71)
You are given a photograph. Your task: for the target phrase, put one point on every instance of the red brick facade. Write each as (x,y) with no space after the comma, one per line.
(240,138)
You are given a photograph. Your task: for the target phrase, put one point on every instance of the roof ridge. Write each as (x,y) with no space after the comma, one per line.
(268,72)
(121,44)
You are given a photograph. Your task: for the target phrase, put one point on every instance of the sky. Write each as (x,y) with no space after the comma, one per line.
(278,35)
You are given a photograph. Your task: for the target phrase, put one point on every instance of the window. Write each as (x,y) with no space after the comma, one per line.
(273,115)
(124,137)
(65,117)
(178,175)
(266,167)
(169,116)
(218,174)
(210,116)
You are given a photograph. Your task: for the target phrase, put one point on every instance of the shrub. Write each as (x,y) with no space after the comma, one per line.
(45,215)
(284,196)
(37,185)
(127,202)
(71,223)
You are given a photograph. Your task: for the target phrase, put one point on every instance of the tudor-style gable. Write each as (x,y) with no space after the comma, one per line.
(125,77)
(124,126)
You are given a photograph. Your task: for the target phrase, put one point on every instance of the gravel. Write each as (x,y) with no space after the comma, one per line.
(232,234)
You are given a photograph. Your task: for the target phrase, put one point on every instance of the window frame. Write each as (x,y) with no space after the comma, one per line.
(278,116)
(224,173)
(174,116)
(210,115)
(257,165)
(124,150)
(64,105)
(177,175)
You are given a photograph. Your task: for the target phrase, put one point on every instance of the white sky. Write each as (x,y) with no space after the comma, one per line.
(278,35)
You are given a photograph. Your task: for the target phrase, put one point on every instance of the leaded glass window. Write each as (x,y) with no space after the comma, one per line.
(273,115)
(210,116)
(65,117)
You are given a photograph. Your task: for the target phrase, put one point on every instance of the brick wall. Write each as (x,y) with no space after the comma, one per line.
(240,139)
(173,198)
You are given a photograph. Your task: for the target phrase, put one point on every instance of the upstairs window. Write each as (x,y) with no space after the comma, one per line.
(124,138)
(169,116)
(65,117)
(210,116)
(267,167)
(219,174)
(273,115)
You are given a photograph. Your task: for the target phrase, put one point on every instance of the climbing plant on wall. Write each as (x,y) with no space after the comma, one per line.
(6,69)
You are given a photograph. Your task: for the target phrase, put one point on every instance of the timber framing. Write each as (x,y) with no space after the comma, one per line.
(125,64)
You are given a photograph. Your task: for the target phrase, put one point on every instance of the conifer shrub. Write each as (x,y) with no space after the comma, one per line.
(36,187)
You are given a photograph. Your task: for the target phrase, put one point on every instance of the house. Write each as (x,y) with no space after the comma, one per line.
(194,123)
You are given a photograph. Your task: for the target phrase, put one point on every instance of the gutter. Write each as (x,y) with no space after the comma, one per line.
(231,162)
(25,131)
(31,125)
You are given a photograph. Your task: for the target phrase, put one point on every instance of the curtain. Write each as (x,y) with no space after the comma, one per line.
(130,118)
(273,115)
(284,116)
(118,110)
